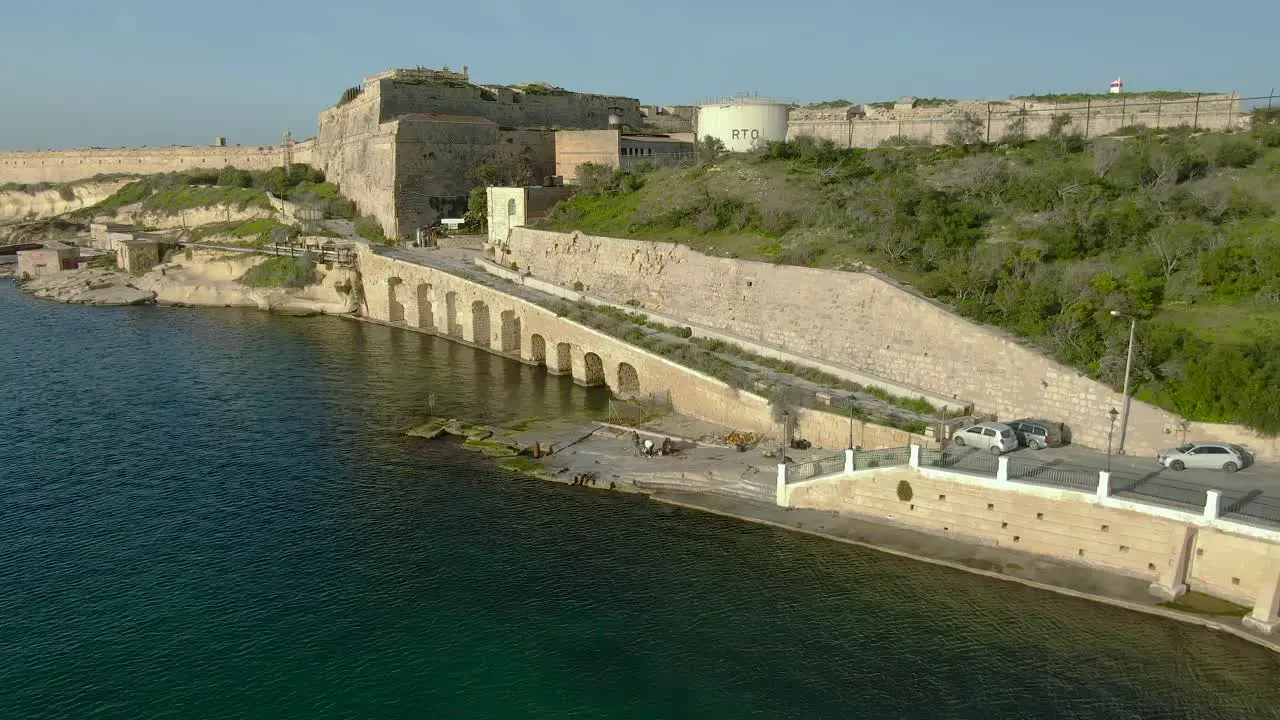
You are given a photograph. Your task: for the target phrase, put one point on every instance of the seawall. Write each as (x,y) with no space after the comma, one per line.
(860,320)
(432,300)
(1173,550)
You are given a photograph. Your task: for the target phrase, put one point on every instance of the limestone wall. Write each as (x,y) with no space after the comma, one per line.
(421,297)
(68,165)
(358,154)
(859,320)
(18,206)
(508,108)
(137,215)
(1091,119)
(1058,523)
(1055,523)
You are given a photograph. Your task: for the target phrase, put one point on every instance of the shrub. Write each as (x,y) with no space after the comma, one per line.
(684,332)
(234,177)
(282,272)
(904,491)
(1236,151)
(370,229)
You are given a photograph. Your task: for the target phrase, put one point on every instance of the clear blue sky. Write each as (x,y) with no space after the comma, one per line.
(76,73)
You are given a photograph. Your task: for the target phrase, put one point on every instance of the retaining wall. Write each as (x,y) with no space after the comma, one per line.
(862,321)
(1146,542)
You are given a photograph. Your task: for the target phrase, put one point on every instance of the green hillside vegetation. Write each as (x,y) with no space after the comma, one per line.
(282,271)
(1042,238)
(177,191)
(255,233)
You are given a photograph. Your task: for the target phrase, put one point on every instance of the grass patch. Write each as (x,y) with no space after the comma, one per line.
(524,424)
(282,272)
(255,233)
(489,448)
(1200,604)
(521,464)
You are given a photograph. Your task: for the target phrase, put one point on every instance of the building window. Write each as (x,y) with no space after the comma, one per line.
(511,206)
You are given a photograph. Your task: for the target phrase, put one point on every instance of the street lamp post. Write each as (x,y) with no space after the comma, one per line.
(782,442)
(1128,372)
(1112,413)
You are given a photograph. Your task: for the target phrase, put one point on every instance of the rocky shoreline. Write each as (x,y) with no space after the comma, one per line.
(198,280)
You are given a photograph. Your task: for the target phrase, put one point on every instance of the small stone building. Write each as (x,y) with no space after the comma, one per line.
(511,207)
(47,260)
(140,253)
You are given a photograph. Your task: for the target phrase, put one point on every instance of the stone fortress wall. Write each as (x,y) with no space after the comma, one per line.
(404,147)
(59,166)
(869,126)
(861,321)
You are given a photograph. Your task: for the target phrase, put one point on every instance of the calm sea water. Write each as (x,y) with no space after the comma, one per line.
(210,513)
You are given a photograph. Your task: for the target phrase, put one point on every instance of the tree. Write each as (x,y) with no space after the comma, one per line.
(966,131)
(477,217)
(504,168)
(709,149)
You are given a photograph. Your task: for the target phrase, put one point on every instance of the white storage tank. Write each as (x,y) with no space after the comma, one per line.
(743,124)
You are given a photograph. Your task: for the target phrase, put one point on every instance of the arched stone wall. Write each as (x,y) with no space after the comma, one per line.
(395,308)
(426,317)
(480,323)
(628,380)
(451,326)
(592,369)
(563,360)
(537,349)
(509,340)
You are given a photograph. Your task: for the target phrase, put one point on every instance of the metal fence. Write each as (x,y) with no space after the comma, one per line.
(974,463)
(1042,474)
(1252,509)
(1161,491)
(885,457)
(829,465)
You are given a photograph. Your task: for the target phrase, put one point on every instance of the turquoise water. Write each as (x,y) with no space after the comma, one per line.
(210,513)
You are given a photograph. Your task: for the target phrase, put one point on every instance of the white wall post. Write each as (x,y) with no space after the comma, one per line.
(914,461)
(1212,502)
(780,496)
(1104,484)
(848,460)
(1002,469)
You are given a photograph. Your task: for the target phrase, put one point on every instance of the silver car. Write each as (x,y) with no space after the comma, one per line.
(997,438)
(1204,455)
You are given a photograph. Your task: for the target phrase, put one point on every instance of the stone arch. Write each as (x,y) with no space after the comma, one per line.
(564,359)
(592,369)
(426,318)
(395,308)
(480,323)
(537,349)
(510,337)
(628,380)
(451,314)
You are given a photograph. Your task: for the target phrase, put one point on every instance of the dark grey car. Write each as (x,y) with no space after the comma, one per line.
(1038,434)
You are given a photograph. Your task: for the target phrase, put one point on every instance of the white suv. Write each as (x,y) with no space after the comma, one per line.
(995,437)
(1212,456)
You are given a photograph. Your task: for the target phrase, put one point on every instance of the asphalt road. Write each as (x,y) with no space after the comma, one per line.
(1251,494)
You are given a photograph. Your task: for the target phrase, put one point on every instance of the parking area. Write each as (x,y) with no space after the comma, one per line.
(1251,494)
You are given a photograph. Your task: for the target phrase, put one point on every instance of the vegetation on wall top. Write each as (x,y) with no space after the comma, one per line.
(177,191)
(1042,238)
